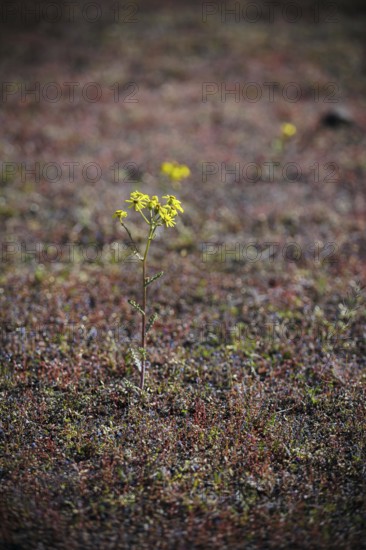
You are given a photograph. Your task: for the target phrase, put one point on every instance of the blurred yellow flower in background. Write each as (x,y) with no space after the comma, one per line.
(288,130)
(175,171)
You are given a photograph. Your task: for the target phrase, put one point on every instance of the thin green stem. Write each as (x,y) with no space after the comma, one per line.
(144,296)
(143,324)
(143,215)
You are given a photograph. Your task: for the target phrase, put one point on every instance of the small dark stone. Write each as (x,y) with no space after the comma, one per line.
(336,119)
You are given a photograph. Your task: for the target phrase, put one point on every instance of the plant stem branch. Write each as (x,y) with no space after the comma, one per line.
(136,251)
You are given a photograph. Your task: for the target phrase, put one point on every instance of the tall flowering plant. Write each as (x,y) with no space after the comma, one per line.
(155,214)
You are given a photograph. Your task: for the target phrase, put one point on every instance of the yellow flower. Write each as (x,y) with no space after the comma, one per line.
(167,214)
(120,214)
(162,211)
(288,130)
(138,200)
(169,222)
(175,171)
(153,203)
(173,202)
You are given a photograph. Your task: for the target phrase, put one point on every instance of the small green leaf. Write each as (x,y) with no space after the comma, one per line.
(151,321)
(136,306)
(150,280)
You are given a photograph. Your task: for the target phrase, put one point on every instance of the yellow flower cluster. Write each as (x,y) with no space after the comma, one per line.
(159,213)
(175,171)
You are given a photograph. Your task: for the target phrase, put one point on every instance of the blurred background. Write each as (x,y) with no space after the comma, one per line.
(95,96)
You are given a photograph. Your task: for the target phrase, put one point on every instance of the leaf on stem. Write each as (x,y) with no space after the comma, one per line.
(151,321)
(138,255)
(150,280)
(136,306)
(142,353)
(135,358)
